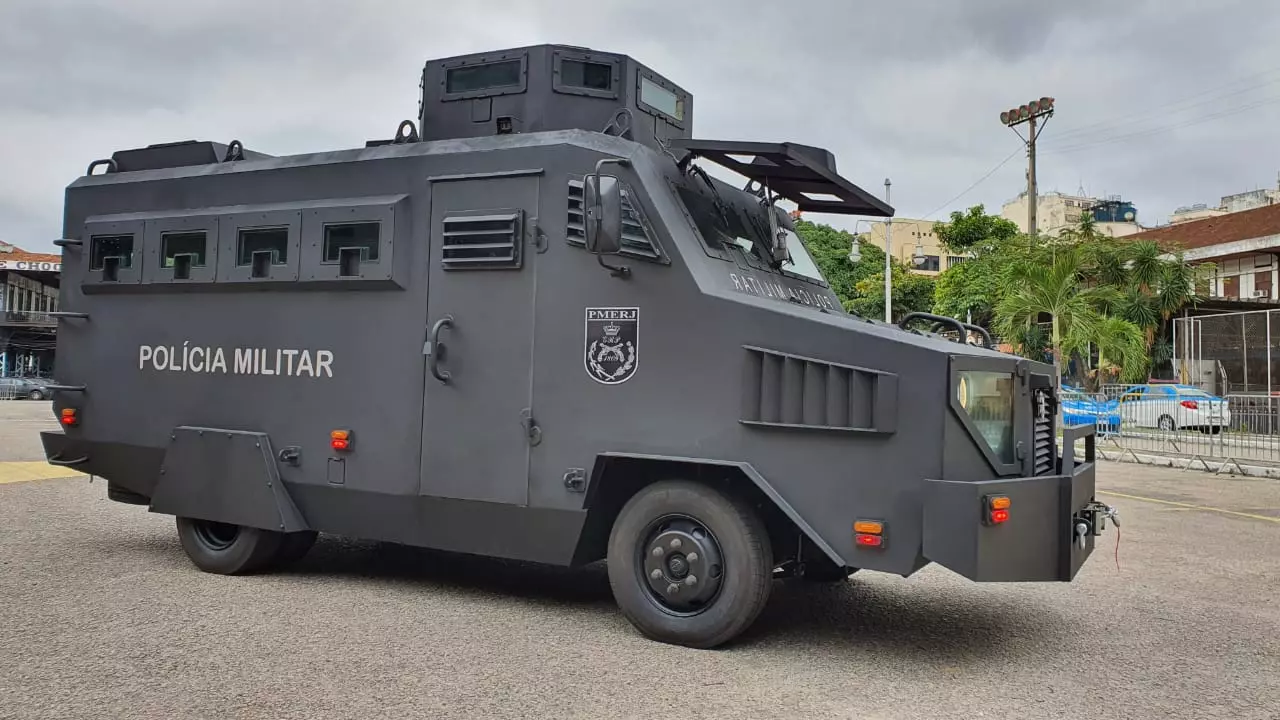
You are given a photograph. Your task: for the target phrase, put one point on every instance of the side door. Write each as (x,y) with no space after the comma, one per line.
(479,345)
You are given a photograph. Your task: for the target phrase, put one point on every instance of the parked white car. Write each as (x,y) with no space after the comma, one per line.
(1173,407)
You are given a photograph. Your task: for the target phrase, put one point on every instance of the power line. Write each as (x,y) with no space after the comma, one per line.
(975,184)
(1157,130)
(1154,111)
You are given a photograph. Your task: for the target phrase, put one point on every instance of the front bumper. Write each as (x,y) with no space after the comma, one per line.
(1041,541)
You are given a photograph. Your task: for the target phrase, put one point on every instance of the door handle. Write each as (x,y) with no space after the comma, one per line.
(435,351)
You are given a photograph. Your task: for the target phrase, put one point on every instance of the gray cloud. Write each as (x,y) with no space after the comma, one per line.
(909,90)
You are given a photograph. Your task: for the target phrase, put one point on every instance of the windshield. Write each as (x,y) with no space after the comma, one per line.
(724,223)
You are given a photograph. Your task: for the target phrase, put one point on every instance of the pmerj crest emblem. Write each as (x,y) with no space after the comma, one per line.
(612,344)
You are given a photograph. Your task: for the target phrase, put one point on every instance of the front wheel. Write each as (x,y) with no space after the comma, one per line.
(689,565)
(35,395)
(227,549)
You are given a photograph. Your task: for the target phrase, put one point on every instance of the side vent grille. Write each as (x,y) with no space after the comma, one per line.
(636,240)
(789,391)
(482,242)
(1044,460)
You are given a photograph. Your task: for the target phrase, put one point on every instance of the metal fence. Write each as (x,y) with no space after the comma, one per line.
(1229,353)
(1244,430)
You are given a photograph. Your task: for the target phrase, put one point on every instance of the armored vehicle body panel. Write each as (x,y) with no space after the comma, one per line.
(421,341)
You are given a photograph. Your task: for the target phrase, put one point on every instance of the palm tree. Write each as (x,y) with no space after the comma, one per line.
(1122,350)
(1053,286)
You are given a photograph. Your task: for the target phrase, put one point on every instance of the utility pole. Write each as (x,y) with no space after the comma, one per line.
(1029,113)
(888,260)
(1031,179)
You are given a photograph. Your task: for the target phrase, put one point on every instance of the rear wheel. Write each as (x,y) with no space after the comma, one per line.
(1166,423)
(36,395)
(227,549)
(689,565)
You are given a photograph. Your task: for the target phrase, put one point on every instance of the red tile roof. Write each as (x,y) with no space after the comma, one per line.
(20,255)
(1245,225)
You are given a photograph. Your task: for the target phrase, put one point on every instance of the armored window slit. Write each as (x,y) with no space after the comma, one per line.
(261,263)
(789,391)
(182,266)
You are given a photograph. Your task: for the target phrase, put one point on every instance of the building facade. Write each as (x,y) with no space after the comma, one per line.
(29,284)
(913,238)
(1243,248)
(1057,211)
(1228,204)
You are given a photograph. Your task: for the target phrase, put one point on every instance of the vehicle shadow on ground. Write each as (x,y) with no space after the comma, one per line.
(951,624)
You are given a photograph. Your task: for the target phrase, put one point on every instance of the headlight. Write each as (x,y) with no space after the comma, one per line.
(987,397)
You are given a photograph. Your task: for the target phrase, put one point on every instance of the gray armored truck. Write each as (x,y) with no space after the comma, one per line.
(532,325)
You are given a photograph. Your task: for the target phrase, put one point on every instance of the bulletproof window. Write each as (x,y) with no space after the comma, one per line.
(113,246)
(583,74)
(487,241)
(483,77)
(661,99)
(637,237)
(273,241)
(191,244)
(351,236)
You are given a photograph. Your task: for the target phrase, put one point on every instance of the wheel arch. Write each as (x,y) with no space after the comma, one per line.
(616,477)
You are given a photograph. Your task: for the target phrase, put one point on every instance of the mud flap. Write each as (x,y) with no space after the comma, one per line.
(1040,541)
(226,476)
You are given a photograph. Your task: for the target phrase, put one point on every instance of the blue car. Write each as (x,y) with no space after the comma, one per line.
(1080,408)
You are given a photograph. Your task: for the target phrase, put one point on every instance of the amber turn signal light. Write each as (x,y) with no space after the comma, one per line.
(69,417)
(996,509)
(340,439)
(868,533)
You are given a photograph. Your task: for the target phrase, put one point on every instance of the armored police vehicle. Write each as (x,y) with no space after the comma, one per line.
(532,325)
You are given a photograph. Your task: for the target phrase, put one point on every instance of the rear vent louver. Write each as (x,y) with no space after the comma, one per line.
(636,240)
(789,391)
(1044,460)
(482,242)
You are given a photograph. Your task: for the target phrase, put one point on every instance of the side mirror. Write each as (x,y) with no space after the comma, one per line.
(602,214)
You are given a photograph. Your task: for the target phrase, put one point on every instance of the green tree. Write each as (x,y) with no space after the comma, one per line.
(1122,351)
(911,293)
(860,285)
(974,287)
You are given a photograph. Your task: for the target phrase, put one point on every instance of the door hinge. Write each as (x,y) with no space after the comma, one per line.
(531,429)
(575,480)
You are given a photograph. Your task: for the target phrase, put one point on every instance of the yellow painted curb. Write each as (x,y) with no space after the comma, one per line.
(16,472)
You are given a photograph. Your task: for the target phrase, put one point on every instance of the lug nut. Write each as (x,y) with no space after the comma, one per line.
(657,552)
(675,543)
(672,589)
(692,557)
(656,574)
(691,580)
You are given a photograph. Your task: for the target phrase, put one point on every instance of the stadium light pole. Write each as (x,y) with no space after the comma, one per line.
(1041,109)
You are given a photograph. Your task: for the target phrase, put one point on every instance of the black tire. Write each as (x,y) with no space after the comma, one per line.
(293,547)
(35,395)
(736,563)
(226,549)
(1166,423)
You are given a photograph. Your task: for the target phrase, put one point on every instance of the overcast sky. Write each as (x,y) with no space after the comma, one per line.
(1165,102)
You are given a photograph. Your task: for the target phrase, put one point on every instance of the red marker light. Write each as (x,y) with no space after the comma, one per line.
(340,439)
(68,417)
(869,540)
(999,516)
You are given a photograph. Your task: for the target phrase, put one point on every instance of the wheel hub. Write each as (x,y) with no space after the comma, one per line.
(682,566)
(217,536)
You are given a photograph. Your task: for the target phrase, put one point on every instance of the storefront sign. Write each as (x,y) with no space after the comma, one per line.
(30,266)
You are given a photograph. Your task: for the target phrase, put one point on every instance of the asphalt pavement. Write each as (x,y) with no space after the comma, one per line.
(102,616)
